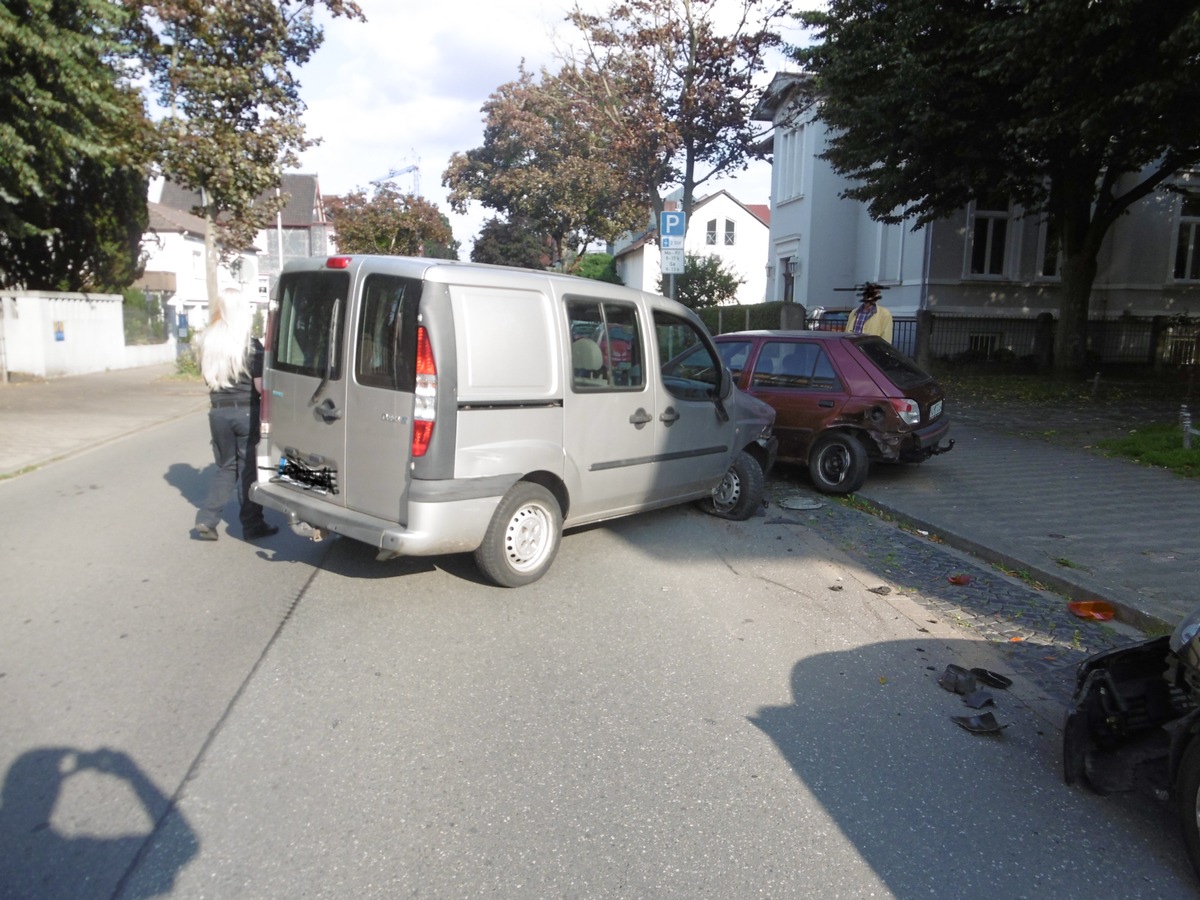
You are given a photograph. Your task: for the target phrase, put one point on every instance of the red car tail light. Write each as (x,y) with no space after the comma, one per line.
(424,395)
(908,410)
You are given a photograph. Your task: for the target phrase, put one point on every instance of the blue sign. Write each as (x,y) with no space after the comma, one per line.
(672,224)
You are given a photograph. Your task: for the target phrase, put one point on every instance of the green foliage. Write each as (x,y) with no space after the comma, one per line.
(598,267)
(72,148)
(186,364)
(704,282)
(515,243)
(752,317)
(1160,446)
(388,222)
(1073,111)
(144,319)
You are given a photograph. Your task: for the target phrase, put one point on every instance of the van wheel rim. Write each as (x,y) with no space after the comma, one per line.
(527,538)
(728,491)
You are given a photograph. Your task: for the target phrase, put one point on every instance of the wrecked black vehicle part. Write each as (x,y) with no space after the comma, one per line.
(1134,724)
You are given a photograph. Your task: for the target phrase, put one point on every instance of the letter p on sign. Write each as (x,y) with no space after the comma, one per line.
(672,224)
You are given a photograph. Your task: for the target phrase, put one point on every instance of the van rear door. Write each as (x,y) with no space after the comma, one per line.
(306,381)
(379,398)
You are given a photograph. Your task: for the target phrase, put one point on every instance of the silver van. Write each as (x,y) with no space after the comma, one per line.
(426,407)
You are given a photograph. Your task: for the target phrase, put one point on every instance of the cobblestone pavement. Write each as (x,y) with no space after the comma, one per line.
(1031,628)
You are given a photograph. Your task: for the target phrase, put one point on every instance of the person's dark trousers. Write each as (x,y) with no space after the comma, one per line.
(234,453)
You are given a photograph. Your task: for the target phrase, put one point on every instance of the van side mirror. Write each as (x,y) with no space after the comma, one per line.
(725,386)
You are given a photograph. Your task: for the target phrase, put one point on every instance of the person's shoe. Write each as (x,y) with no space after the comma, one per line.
(206,533)
(257,532)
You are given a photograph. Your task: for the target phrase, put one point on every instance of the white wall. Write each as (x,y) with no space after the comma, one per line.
(49,335)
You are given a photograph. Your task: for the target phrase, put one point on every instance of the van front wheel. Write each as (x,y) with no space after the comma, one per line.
(740,492)
(523,537)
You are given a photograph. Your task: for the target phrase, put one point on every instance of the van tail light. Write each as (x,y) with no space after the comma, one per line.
(908,410)
(424,395)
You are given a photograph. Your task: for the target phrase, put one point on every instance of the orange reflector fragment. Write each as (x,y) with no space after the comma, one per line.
(1092,609)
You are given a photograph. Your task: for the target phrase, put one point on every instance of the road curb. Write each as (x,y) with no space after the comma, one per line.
(1125,613)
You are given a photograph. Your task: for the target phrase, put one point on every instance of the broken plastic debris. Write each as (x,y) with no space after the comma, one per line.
(958,680)
(992,679)
(979,699)
(984,723)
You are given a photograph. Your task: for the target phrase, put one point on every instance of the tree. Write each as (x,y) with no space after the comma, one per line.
(388,222)
(516,244)
(1073,110)
(73,171)
(598,267)
(670,85)
(225,71)
(705,282)
(540,164)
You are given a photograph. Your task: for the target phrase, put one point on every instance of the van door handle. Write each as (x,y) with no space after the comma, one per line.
(328,411)
(825,404)
(640,418)
(669,416)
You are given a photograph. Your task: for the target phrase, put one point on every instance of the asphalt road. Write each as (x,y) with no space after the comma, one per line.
(683,707)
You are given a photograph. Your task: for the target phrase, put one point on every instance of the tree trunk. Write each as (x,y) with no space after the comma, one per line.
(1070,337)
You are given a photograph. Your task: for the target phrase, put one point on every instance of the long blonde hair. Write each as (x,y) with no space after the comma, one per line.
(223,346)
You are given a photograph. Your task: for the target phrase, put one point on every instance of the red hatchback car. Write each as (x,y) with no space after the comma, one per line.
(841,401)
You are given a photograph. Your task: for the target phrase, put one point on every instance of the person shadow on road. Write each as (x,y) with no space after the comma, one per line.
(37,859)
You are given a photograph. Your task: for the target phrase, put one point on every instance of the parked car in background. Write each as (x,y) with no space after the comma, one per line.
(841,400)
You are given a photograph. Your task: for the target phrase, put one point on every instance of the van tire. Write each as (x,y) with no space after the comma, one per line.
(523,537)
(838,464)
(740,492)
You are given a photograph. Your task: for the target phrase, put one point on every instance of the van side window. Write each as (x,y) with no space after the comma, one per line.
(386,344)
(606,346)
(692,370)
(300,342)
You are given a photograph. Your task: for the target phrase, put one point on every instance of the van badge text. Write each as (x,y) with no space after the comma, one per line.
(388,417)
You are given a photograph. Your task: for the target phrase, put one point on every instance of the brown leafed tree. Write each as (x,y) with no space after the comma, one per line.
(388,222)
(670,86)
(541,164)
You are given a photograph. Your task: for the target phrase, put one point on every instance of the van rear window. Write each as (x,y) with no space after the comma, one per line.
(387,333)
(304,325)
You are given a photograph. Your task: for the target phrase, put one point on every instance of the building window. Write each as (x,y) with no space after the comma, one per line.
(1187,251)
(989,238)
(710,233)
(730,235)
(789,162)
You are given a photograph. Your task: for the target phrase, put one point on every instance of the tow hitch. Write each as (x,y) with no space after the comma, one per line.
(935,450)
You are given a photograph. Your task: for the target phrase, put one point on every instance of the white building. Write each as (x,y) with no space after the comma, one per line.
(719,225)
(987,260)
(175,274)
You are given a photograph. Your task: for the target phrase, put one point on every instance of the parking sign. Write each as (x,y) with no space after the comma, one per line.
(672,223)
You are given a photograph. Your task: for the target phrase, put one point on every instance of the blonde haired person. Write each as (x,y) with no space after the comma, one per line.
(231,361)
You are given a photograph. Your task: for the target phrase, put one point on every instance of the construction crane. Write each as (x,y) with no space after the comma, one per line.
(396,173)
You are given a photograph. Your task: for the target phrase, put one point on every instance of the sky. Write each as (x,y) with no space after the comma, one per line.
(407,87)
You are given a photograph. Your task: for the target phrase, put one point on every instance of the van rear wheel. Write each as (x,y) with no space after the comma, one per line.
(523,537)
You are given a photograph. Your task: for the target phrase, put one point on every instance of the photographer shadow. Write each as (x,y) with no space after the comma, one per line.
(50,848)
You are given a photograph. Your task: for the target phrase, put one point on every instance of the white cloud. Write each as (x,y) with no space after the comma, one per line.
(407,88)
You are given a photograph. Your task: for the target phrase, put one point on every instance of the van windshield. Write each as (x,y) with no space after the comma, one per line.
(302,336)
